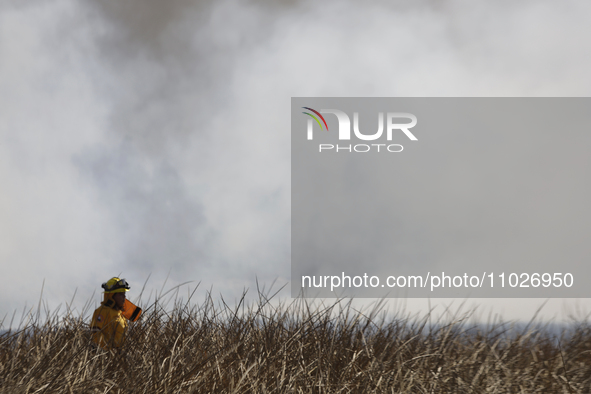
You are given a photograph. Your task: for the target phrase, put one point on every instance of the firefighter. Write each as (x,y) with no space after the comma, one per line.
(109,321)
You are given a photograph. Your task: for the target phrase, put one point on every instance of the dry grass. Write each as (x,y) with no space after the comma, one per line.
(294,348)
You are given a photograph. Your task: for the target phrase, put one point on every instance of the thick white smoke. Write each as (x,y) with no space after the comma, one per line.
(148,137)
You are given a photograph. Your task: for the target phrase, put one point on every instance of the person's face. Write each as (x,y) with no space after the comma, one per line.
(119,299)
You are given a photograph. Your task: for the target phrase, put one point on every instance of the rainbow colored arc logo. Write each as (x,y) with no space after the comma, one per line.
(315,118)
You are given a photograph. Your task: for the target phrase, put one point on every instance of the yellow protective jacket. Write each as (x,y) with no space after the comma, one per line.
(108,324)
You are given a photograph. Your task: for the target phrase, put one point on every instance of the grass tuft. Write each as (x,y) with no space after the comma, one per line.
(300,347)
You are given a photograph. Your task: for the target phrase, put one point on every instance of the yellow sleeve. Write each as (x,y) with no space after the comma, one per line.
(119,326)
(97,325)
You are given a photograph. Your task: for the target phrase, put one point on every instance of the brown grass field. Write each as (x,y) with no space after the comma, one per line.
(300,347)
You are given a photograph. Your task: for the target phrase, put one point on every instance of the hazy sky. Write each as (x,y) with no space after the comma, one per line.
(148,137)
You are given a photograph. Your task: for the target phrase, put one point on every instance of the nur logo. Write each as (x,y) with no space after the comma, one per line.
(393,124)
